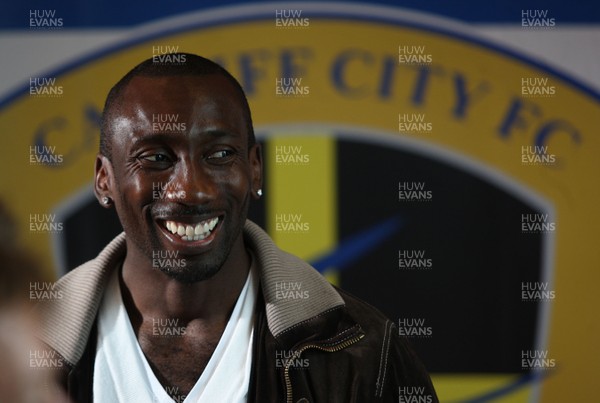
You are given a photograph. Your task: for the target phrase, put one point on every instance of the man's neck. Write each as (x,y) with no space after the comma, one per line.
(148,292)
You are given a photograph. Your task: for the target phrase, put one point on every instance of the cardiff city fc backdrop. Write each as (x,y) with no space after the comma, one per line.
(447,180)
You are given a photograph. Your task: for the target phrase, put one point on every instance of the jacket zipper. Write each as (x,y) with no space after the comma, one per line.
(296,355)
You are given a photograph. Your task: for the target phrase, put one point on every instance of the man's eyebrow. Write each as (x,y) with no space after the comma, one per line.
(152,137)
(220,133)
(161,137)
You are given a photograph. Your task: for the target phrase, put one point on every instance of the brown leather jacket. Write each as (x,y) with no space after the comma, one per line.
(324,346)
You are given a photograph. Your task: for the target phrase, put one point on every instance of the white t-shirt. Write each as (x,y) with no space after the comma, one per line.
(122,373)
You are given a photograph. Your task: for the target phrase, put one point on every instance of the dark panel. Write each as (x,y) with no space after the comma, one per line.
(470,229)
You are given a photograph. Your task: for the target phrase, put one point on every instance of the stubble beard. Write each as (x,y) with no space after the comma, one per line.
(205,266)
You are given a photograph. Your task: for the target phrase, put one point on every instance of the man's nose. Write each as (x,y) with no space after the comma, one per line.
(196,184)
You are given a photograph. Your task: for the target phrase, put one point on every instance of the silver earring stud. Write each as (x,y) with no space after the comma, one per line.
(259,192)
(105,199)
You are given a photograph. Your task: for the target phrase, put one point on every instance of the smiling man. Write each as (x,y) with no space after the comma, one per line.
(184,305)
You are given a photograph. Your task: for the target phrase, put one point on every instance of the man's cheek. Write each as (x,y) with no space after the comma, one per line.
(235,182)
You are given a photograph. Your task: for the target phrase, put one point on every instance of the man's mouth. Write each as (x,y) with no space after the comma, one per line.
(192,232)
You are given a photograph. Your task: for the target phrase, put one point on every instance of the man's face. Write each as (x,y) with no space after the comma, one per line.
(183,174)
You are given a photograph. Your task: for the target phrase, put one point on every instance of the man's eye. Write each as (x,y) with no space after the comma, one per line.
(156,158)
(220,154)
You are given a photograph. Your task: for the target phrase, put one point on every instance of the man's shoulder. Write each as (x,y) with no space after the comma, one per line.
(378,328)
(385,353)
(79,275)
(380,331)
(65,323)
(366,314)
(94,270)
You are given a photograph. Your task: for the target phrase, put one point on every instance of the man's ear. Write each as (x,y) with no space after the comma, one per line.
(256,170)
(103,181)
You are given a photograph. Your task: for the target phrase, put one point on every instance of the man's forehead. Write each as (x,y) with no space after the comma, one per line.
(204,93)
(203,103)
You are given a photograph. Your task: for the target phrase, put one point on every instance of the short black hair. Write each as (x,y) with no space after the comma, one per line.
(190,64)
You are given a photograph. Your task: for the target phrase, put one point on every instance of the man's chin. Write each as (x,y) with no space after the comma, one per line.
(192,266)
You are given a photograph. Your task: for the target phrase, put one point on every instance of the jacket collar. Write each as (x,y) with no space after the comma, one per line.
(65,324)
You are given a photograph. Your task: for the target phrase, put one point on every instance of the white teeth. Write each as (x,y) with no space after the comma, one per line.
(192,233)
